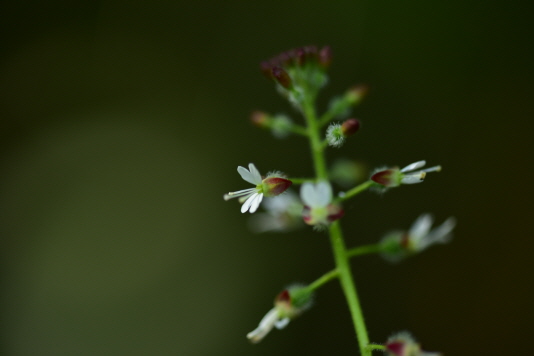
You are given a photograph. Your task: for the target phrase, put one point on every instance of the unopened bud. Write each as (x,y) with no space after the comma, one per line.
(273,186)
(259,119)
(281,77)
(350,127)
(403,344)
(325,56)
(355,94)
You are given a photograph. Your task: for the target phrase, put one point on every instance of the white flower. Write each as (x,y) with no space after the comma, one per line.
(393,177)
(399,244)
(418,176)
(420,236)
(251,197)
(270,320)
(288,304)
(282,213)
(317,199)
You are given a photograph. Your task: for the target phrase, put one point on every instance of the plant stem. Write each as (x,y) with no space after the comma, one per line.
(348,286)
(322,280)
(364,250)
(315,141)
(356,190)
(336,236)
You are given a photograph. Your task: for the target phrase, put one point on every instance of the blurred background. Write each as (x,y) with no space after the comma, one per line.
(122,124)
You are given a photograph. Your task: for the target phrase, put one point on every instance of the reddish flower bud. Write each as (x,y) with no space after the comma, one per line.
(350,127)
(259,119)
(356,93)
(387,177)
(274,186)
(281,77)
(325,56)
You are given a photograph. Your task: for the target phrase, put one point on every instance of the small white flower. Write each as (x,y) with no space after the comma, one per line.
(420,236)
(393,177)
(410,177)
(282,213)
(270,320)
(251,197)
(317,199)
(399,244)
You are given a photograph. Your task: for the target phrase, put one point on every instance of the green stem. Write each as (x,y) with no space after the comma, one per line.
(376,347)
(363,250)
(301,180)
(336,236)
(356,190)
(299,130)
(348,286)
(322,280)
(315,141)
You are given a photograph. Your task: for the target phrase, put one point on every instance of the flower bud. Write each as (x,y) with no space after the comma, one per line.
(355,94)
(281,77)
(260,119)
(325,56)
(273,186)
(403,344)
(350,127)
(393,177)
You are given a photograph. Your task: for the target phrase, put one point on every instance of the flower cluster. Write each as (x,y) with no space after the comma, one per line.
(299,72)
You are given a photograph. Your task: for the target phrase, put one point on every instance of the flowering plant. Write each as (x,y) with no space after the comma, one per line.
(299,74)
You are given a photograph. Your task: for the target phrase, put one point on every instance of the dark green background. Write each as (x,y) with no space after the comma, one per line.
(122,124)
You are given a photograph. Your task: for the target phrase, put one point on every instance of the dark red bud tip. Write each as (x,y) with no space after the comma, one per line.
(396,348)
(281,77)
(274,186)
(284,296)
(350,127)
(335,212)
(266,68)
(383,177)
(325,56)
(259,119)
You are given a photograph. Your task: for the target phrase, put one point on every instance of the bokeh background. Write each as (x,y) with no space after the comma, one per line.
(122,124)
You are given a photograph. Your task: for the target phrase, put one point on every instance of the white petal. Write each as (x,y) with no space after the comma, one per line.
(324,193)
(413,178)
(307,194)
(442,234)
(413,166)
(246,175)
(248,202)
(280,324)
(420,227)
(266,325)
(255,203)
(255,173)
